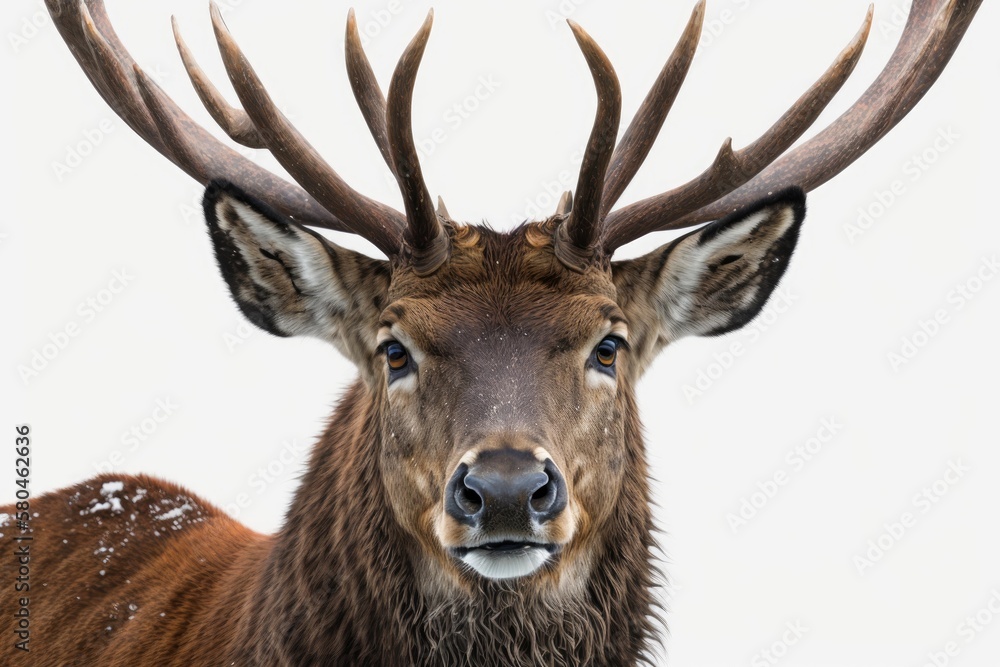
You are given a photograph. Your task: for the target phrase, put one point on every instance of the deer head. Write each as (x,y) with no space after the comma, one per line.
(502,365)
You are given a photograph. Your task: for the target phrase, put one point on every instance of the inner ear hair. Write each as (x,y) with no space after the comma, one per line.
(289,280)
(744,256)
(714,279)
(792,199)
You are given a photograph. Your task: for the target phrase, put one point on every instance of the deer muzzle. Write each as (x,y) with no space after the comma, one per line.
(506,499)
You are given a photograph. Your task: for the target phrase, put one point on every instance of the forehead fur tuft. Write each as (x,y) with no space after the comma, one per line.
(481,256)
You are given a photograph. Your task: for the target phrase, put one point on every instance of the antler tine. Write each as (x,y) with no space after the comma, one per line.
(929,39)
(645,126)
(375,221)
(565,205)
(442,210)
(171,133)
(932,33)
(429,244)
(731,169)
(86,29)
(235,122)
(369,96)
(107,66)
(574,241)
(952,20)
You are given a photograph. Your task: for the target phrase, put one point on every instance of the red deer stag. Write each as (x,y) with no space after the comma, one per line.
(480,496)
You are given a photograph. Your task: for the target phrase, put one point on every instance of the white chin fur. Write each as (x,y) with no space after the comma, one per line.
(506,565)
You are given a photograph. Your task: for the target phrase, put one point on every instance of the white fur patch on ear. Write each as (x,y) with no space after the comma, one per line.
(310,256)
(719,277)
(288,278)
(290,281)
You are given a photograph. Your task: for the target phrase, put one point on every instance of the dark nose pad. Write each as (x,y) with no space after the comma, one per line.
(508,490)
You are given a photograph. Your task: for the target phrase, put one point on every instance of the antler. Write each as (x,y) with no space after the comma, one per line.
(641,133)
(365,216)
(324,198)
(575,237)
(367,93)
(85,28)
(932,33)
(736,178)
(429,246)
(235,122)
(730,168)
(427,238)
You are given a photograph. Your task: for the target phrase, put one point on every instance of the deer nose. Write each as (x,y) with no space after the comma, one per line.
(506,491)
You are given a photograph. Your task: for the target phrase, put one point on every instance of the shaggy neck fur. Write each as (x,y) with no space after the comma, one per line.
(339,586)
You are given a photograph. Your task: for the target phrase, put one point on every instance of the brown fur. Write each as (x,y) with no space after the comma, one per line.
(355,576)
(361,572)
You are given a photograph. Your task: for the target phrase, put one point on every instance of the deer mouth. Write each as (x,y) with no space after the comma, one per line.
(506,559)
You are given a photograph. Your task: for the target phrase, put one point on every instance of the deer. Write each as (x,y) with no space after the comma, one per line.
(480,494)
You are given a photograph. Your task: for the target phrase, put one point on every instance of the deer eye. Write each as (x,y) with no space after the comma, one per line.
(607,351)
(396,357)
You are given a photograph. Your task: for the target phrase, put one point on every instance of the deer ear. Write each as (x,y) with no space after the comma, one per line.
(715,279)
(290,281)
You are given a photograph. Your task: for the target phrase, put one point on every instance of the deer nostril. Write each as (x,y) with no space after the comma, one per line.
(505,489)
(468,499)
(550,499)
(543,497)
(462,502)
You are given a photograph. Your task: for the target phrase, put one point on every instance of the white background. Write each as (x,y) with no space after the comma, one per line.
(169,335)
